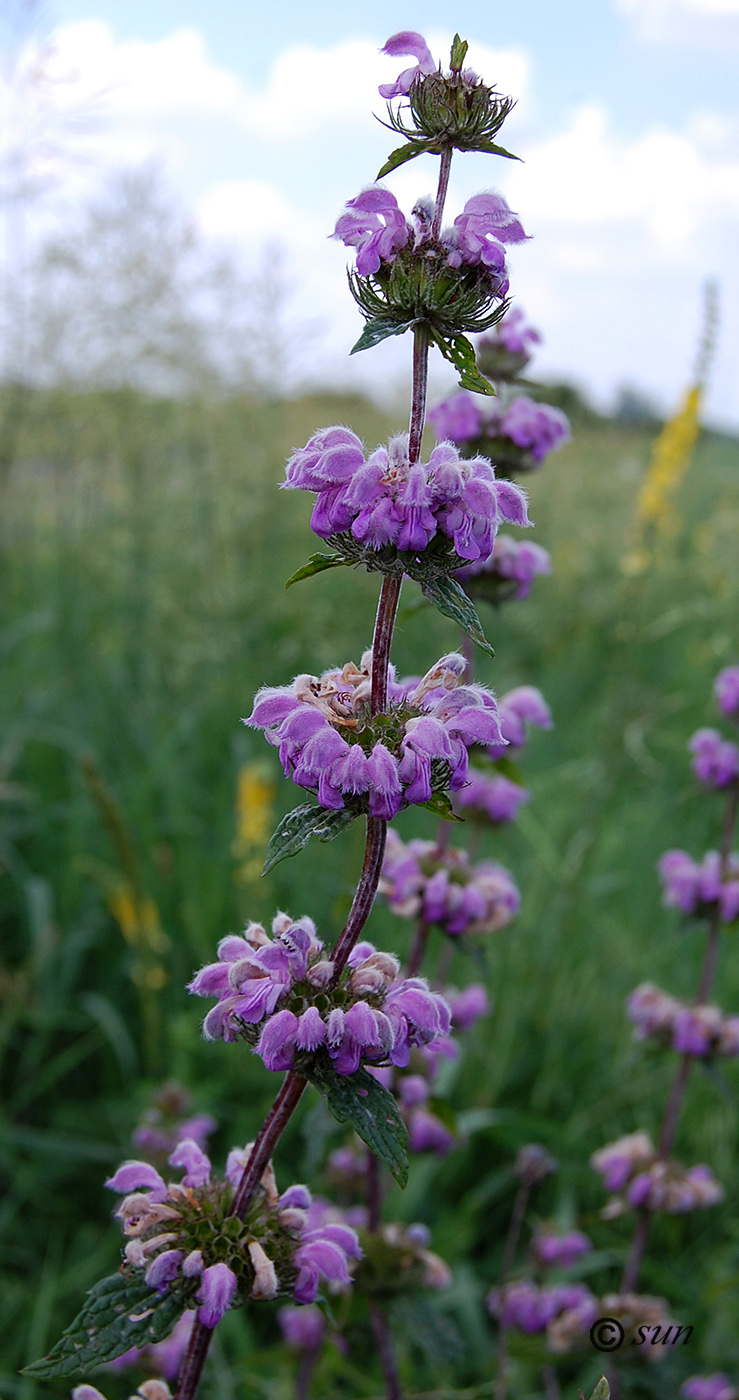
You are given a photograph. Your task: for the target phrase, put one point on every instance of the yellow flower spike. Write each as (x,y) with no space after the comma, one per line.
(255,792)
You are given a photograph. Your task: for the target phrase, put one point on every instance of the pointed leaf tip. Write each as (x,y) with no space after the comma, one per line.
(450,598)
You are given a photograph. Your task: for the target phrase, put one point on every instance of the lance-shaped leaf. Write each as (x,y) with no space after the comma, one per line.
(403,153)
(118,1313)
(316,565)
(372,1111)
(296,829)
(441,806)
(449,597)
(602,1391)
(490,149)
(458,54)
(379,329)
(461,353)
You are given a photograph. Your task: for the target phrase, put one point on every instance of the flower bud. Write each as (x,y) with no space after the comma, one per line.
(321,973)
(265,1279)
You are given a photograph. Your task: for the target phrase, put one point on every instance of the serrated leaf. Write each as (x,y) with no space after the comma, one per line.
(299,826)
(402,154)
(105,1327)
(440,804)
(316,565)
(461,353)
(377,330)
(449,597)
(372,1111)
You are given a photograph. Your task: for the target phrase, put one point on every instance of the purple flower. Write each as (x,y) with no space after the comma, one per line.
(427,1133)
(163,1269)
(132,1176)
(322,1257)
(689,886)
(457,419)
(497,796)
(696,1029)
(618,1161)
(277,1041)
(302,1328)
(537,427)
(446,888)
(514,334)
(652,1011)
(560,1251)
(468,1006)
(522,706)
(407,44)
(531,1309)
(187,1154)
(215,1294)
(484,225)
(715,760)
(715,1387)
(726,690)
(374,225)
(519,560)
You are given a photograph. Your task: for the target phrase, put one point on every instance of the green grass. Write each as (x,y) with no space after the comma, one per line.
(144,547)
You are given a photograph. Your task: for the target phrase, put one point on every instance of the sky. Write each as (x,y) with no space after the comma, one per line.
(260,118)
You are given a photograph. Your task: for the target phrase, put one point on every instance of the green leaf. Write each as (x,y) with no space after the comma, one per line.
(449,597)
(296,829)
(316,565)
(440,805)
(602,1390)
(490,148)
(372,1111)
(461,353)
(402,154)
(379,329)
(119,1313)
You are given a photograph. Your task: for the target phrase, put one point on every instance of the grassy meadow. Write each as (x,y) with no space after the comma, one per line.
(143,551)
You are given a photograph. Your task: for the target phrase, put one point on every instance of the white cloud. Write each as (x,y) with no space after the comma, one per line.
(665,7)
(712,24)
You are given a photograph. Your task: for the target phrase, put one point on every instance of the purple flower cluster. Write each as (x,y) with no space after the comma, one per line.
(302,1328)
(631,1164)
(329,743)
(513,333)
(167,1122)
(695,889)
(715,759)
(715,1387)
(384,499)
(443,887)
(376,226)
(632,1310)
(162,1222)
(148,1390)
(692,1030)
(516,560)
(536,428)
(726,691)
(371,1013)
(530,1308)
(552,1250)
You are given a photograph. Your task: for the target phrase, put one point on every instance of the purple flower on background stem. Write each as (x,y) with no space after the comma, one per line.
(560,1251)
(714,1387)
(617,1161)
(407,44)
(715,759)
(374,224)
(537,427)
(457,419)
(519,707)
(514,334)
(427,1133)
(135,1176)
(215,1294)
(726,690)
(519,560)
(495,795)
(688,885)
(468,1006)
(302,1328)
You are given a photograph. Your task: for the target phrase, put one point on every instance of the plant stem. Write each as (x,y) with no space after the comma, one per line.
(674,1104)
(365,893)
(381,1329)
(266,1140)
(420,381)
(384,624)
(418,950)
(509,1255)
(446,161)
(305,1372)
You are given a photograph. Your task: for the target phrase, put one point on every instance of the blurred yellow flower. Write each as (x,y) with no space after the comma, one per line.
(255,792)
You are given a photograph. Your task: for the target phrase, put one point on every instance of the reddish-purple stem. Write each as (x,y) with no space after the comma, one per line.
(446,161)
(386,1351)
(674,1104)
(418,948)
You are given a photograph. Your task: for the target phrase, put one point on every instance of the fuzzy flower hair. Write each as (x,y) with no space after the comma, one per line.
(278,993)
(329,743)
